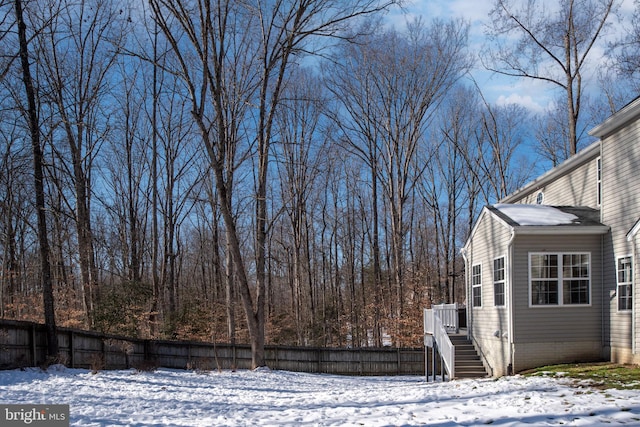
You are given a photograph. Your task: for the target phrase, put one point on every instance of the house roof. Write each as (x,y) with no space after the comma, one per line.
(543,219)
(523,219)
(626,114)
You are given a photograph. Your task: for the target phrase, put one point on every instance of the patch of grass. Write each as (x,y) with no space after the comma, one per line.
(601,375)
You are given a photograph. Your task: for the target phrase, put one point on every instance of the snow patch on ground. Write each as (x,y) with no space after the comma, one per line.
(278,398)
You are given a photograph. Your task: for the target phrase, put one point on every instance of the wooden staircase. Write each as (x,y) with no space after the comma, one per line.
(467,361)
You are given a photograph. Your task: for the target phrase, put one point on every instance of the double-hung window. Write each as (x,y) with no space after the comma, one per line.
(476,285)
(625,281)
(560,278)
(498,282)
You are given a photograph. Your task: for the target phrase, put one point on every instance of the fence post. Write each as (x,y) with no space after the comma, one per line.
(32,345)
(104,352)
(189,362)
(72,363)
(234,361)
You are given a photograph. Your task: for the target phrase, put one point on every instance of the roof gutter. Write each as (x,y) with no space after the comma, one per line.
(573,230)
(625,115)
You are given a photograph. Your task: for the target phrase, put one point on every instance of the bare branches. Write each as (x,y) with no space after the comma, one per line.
(553,42)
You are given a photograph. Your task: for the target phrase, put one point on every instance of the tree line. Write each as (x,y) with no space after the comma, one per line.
(287,172)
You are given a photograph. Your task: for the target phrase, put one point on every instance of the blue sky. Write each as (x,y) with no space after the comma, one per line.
(534,95)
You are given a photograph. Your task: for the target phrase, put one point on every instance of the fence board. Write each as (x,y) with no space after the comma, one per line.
(24,344)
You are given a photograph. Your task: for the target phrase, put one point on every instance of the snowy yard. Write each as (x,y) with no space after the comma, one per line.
(277,398)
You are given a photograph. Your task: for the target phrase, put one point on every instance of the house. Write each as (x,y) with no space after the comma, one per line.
(550,269)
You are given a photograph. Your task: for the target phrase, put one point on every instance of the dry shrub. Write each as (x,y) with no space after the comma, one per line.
(96,363)
(146,366)
(201,365)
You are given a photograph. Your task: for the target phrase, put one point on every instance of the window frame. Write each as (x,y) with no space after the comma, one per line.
(629,283)
(599,181)
(476,285)
(564,275)
(500,282)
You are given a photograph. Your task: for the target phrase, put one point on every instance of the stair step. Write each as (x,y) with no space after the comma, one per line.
(469,369)
(468,357)
(468,362)
(464,368)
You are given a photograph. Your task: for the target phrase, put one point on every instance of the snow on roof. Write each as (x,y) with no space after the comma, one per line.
(536,214)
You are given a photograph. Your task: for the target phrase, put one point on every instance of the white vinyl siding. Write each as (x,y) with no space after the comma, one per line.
(476,285)
(547,334)
(579,187)
(625,288)
(490,241)
(620,210)
(559,279)
(499,276)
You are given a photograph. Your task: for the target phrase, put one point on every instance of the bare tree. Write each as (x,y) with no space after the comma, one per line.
(628,48)
(77,56)
(552,132)
(15,211)
(501,136)
(390,85)
(268,36)
(553,43)
(31,113)
(299,166)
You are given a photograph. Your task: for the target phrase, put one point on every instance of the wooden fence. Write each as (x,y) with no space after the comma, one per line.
(24,344)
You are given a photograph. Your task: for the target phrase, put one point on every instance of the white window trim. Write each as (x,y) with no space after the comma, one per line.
(560,279)
(599,183)
(473,286)
(618,284)
(503,281)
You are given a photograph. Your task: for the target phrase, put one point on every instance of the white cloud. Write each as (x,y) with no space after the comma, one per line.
(472,10)
(526,101)
(536,96)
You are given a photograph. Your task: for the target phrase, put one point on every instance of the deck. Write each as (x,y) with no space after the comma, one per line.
(446,334)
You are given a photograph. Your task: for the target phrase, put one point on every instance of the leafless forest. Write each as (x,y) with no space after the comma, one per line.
(265,171)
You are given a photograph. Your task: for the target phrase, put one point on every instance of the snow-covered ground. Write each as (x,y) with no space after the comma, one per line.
(278,398)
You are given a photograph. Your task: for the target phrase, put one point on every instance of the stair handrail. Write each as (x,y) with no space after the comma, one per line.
(433,325)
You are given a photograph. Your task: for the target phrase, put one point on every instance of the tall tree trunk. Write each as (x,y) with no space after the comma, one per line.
(377,280)
(155,238)
(230,295)
(34,129)
(85,237)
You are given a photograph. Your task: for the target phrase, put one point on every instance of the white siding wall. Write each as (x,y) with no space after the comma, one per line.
(490,241)
(633,352)
(577,188)
(620,210)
